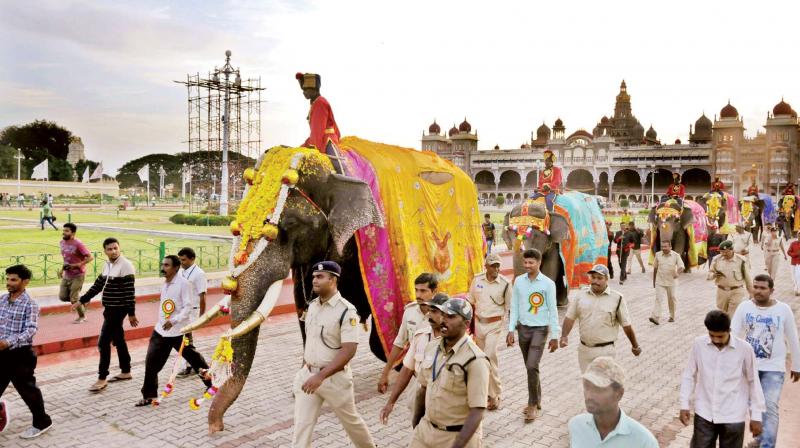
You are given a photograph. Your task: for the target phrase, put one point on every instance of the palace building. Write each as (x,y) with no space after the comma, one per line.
(618,159)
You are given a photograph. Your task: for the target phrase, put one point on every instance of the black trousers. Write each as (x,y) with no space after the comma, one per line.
(112,331)
(531,342)
(157,355)
(610,263)
(17,368)
(623,265)
(731,435)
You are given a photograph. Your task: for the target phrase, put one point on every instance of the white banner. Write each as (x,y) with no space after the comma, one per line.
(98,172)
(40,171)
(85,178)
(144,173)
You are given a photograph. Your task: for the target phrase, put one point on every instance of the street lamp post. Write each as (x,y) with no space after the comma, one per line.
(226,71)
(653,184)
(19,170)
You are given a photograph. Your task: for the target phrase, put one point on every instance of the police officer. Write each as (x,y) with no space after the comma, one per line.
(413,319)
(600,311)
(455,382)
(331,342)
(490,295)
(731,273)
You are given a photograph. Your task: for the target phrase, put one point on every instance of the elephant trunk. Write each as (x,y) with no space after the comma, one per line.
(244,350)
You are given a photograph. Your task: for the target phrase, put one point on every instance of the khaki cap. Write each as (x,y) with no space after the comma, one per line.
(492,259)
(603,371)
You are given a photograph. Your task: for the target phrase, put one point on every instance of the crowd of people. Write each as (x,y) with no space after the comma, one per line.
(446,347)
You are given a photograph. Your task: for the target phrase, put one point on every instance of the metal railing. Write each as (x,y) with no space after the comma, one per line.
(147,262)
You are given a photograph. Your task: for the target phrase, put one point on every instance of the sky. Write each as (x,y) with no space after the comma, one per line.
(105,70)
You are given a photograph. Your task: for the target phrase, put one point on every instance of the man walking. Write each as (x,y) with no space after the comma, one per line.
(47,215)
(412,361)
(533,315)
(488,232)
(741,242)
(76,256)
(325,377)
(413,319)
(731,273)
(604,423)
(609,263)
(454,384)
(490,296)
(624,240)
(772,247)
(637,236)
(600,311)
(722,377)
(794,253)
(667,265)
(769,326)
(175,313)
(196,277)
(19,321)
(117,283)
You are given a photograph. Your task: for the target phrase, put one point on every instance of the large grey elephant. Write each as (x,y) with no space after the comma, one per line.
(548,244)
(753,222)
(318,222)
(715,205)
(787,205)
(671,223)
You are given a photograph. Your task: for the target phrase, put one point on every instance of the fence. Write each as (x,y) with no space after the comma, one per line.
(45,267)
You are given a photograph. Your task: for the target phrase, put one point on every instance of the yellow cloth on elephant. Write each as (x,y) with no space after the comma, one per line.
(431,213)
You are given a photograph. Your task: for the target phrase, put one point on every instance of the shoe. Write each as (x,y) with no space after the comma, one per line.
(671,319)
(532,413)
(98,386)
(643,271)
(79,320)
(121,377)
(655,321)
(5,416)
(185,372)
(32,432)
(629,272)
(493,404)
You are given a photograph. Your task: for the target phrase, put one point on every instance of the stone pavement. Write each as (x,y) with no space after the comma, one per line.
(262,416)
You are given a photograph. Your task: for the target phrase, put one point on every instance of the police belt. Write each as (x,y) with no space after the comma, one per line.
(451,428)
(728,288)
(311,368)
(602,344)
(489,320)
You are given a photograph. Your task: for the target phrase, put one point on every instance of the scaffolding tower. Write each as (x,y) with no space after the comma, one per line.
(206,125)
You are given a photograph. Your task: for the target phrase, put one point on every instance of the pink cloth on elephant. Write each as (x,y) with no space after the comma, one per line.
(699,224)
(377,269)
(731,209)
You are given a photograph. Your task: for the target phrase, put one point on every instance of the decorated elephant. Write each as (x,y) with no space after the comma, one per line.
(715,205)
(297,211)
(572,238)
(787,205)
(671,222)
(751,208)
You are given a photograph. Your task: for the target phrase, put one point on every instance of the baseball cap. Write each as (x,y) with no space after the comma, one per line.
(728,244)
(438,301)
(492,259)
(603,371)
(599,269)
(458,306)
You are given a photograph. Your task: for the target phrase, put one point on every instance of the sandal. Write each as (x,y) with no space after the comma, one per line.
(98,386)
(120,377)
(144,402)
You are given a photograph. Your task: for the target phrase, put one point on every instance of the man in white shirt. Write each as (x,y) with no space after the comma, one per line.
(769,326)
(721,375)
(741,242)
(199,286)
(174,314)
(666,267)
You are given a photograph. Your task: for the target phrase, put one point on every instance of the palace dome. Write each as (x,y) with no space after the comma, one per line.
(434,128)
(729,111)
(542,132)
(702,124)
(651,133)
(559,123)
(453,131)
(465,126)
(783,108)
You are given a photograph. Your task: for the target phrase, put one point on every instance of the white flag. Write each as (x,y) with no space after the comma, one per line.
(98,172)
(40,171)
(144,173)
(187,175)
(85,178)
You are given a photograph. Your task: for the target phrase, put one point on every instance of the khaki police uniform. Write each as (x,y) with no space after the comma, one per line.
(734,285)
(413,320)
(773,251)
(491,300)
(741,243)
(328,326)
(667,265)
(599,317)
(461,382)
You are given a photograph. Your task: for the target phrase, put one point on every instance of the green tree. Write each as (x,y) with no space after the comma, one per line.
(8,162)
(36,136)
(80,167)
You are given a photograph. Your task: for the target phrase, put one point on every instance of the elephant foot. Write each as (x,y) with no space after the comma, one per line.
(215,426)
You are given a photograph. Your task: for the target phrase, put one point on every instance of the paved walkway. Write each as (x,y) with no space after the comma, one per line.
(262,417)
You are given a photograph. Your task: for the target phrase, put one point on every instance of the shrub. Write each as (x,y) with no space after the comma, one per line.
(201,220)
(500,200)
(624,203)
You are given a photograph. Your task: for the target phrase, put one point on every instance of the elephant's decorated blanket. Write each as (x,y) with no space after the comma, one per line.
(430,208)
(770,212)
(732,216)
(700,236)
(588,241)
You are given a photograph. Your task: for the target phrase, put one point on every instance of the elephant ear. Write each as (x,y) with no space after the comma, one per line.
(352,207)
(559,227)
(687,217)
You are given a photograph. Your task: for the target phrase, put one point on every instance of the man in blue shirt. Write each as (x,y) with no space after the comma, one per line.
(533,313)
(19,320)
(605,424)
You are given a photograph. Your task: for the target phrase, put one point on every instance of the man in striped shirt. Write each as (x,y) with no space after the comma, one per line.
(19,321)
(119,300)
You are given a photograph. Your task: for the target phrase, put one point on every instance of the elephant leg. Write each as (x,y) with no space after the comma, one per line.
(554,269)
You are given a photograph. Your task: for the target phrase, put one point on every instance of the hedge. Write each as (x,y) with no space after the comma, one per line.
(201,220)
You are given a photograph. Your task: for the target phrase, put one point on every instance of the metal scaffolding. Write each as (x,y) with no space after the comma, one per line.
(208,100)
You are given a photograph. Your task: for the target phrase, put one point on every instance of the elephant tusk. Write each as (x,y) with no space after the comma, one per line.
(209,315)
(260,314)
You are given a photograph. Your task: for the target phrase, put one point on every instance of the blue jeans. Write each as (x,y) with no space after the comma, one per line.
(771,384)
(489,246)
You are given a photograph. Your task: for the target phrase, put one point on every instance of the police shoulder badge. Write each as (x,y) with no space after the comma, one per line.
(353,322)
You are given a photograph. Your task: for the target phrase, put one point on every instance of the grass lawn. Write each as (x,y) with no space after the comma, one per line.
(94,216)
(40,251)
